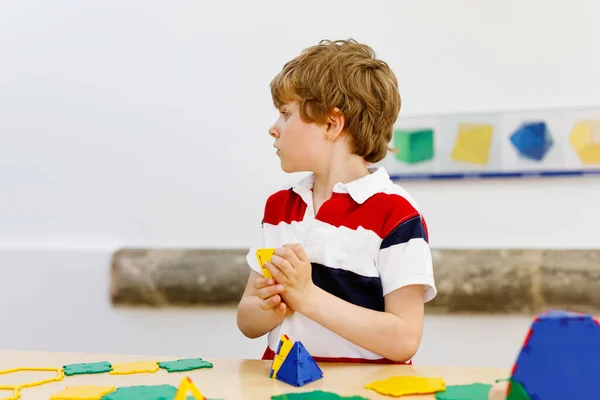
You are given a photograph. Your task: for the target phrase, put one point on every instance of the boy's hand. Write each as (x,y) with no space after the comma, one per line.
(270,293)
(292,269)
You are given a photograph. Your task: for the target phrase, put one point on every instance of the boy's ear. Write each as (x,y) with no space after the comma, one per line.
(335,125)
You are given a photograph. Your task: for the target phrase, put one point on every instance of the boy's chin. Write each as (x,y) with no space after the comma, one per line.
(290,168)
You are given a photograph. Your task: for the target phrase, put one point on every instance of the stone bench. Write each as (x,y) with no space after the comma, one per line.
(490,281)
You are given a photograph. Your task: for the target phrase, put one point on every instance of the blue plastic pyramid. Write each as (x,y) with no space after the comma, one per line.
(299,368)
(532,140)
(560,358)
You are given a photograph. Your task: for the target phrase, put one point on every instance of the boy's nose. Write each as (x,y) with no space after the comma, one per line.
(273,132)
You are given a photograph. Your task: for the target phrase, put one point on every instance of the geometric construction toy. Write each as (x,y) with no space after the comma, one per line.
(315,395)
(185,386)
(134,367)
(532,140)
(142,392)
(585,139)
(15,392)
(293,364)
(560,359)
(184,364)
(407,385)
(285,345)
(59,376)
(473,143)
(82,393)
(414,145)
(263,256)
(87,368)
(474,391)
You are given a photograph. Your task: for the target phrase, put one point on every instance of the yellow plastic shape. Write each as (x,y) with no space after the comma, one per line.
(59,376)
(263,256)
(137,367)
(407,385)
(585,139)
(473,143)
(83,393)
(16,393)
(188,386)
(285,345)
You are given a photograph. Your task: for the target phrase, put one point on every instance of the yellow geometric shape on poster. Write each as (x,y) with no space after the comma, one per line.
(585,139)
(473,143)
(83,393)
(134,367)
(263,256)
(16,394)
(407,385)
(185,386)
(285,345)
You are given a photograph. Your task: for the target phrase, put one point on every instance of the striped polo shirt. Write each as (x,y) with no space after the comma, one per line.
(366,241)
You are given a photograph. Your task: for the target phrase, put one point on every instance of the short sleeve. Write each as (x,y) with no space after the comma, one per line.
(405,258)
(251,258)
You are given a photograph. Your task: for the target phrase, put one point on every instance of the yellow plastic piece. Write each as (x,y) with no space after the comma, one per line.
(585,139)
(473,143)
(263,256)
(284,348)
(17,388)
(134,367)
(407,385)
(16,392)
(82,393)
(185,386)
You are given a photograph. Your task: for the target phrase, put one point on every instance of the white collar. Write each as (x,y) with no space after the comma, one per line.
(360,189)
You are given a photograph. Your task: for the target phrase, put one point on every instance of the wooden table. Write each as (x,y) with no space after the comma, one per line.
(229,379)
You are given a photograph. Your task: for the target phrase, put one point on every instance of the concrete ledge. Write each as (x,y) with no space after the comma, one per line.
(490,281)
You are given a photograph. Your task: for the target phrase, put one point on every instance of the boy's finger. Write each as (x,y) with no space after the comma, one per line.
(281,308)
(270,302)
(277,273)
(261,283)
(269,291)
(300,253)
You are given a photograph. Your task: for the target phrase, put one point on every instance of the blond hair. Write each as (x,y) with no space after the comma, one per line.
(347,75)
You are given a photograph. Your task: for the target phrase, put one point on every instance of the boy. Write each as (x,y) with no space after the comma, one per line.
(352,267)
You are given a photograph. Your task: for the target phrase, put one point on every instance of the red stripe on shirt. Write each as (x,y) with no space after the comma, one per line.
(270,355)
(381,213)
(284,206)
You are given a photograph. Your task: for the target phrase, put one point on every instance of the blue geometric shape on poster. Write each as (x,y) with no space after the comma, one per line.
(532,140)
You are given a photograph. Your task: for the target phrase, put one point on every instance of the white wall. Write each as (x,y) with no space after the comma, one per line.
(144,123)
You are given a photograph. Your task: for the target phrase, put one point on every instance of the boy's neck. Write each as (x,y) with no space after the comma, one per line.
(347,170)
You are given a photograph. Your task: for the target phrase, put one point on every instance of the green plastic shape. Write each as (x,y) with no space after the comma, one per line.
(144,392)
(414,146)
(87,368)
(185,364)
(517,392)
(475,391)
(315,395)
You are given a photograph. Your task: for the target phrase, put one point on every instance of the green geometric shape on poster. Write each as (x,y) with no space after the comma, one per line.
(414,145)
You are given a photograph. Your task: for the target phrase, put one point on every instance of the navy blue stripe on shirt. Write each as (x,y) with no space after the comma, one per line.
(364,291)
(409,229)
